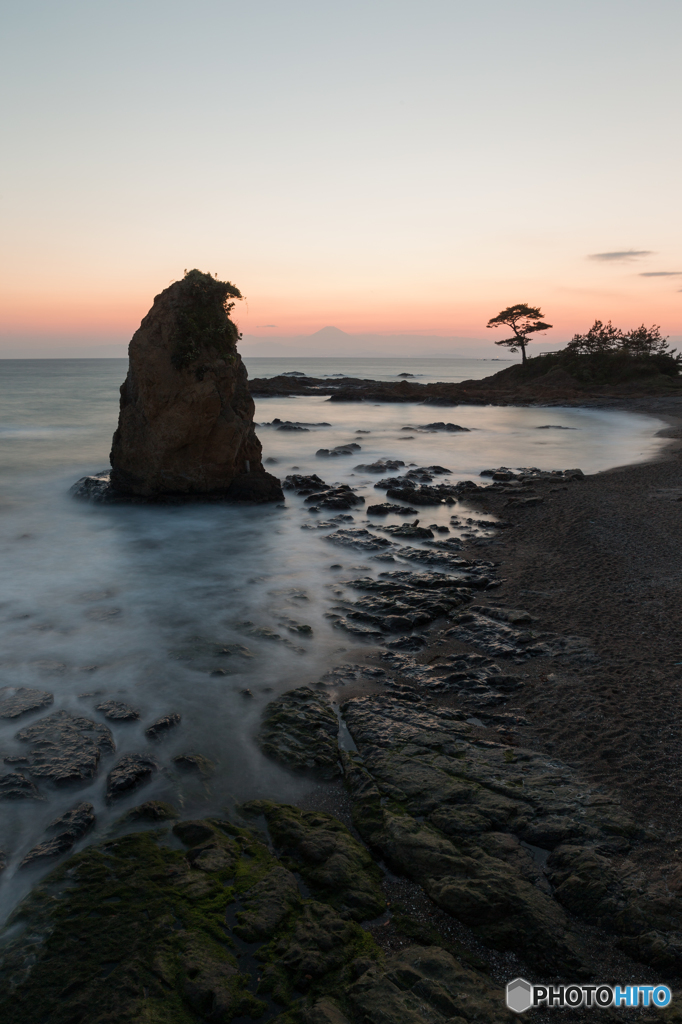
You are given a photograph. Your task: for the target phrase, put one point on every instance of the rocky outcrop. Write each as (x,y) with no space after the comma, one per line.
(64,749)
(300,729)
(511,386)
(503,839)
(186,417)
(219,929)
(19,700)
(131,771)
(64,832)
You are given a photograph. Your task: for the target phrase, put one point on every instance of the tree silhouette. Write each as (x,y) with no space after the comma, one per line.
(523,320)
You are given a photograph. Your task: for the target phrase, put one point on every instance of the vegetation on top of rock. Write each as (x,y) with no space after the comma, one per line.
(604,355)
(523,320)
(204,320)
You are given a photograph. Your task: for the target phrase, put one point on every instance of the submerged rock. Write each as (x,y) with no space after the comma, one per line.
(386,509)
(401,601)
(130,772)
(158,729)
(340,449)
(301,730)
(342,497)
(13,786)
(195,763)
(118,711)
(186,417)
(152,810)
(381,466)
(19,700)
(64,748)
(361,540)
(449,428)
(67,830)
(304,484)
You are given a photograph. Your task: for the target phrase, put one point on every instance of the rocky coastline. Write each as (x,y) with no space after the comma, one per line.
(557,387)
(498,791)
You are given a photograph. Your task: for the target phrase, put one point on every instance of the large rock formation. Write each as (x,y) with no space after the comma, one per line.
(186,418)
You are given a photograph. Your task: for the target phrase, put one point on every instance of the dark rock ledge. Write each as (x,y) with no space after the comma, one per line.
(219,929)
(509,842)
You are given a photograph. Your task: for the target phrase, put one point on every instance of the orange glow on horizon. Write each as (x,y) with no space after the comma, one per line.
(568,309)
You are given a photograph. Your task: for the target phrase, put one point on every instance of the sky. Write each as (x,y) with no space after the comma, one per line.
(387,167)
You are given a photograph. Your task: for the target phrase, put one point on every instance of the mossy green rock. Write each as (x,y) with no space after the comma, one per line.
(139,931)
(419,985)
(127,931)
(300,729)
(332,862)
(505,840)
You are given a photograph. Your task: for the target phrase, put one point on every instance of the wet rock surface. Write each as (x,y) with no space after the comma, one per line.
(152,810)
(195,763)
(381,466)
(342,497)
(64,749)
(218,930)
(292,425)
(504,839)
(476,679)
(448,428)
(128,774)
(303,485)
(65,831)
(19,700)
(118,711)
(340,449)
(358,538)
(206,654)
(300,730)
(387,508)
(486,630)
(162,726)
(14,786)
(401,600)
(334,865)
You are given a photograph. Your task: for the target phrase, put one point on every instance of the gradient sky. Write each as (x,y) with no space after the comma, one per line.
(380,166)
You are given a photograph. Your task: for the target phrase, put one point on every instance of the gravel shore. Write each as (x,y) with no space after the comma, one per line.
(603,559)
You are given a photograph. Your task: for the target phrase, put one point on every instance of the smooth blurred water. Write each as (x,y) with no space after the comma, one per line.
(424,371)
(113,601)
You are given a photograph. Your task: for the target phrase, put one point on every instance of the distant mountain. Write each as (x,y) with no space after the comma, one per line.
(331,333)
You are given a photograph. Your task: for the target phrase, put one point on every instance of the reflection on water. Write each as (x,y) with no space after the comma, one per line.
(155,606)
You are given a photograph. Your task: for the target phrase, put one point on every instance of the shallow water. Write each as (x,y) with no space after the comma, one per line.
(131,603)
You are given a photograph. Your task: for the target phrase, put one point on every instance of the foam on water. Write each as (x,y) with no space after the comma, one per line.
(134,603)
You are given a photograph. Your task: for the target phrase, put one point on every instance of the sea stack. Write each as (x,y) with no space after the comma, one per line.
(185,425)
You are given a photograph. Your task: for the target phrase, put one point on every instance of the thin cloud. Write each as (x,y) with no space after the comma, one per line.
(662,273)
(621,255)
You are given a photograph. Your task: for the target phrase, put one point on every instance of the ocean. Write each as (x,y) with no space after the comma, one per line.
(132,603)
(424,371)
